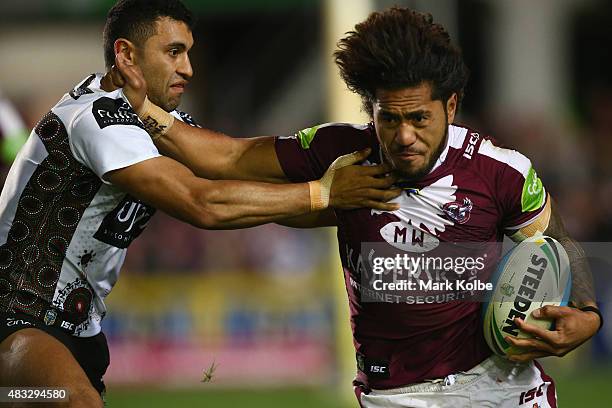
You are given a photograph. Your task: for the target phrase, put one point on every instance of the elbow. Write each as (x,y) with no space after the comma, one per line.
(206,212)
(207,217)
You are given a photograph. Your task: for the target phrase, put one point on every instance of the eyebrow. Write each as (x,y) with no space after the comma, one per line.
(407,115)
(179,45)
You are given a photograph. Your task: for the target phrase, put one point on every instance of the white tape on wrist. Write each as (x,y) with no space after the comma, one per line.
(320,190)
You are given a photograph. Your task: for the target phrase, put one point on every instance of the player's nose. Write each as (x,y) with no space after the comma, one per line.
(405,135)
(185,69)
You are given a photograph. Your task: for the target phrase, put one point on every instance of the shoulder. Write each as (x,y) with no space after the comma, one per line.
(336,132)
(484,153)
(87,104)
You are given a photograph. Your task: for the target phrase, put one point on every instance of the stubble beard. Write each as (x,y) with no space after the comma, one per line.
(418,174)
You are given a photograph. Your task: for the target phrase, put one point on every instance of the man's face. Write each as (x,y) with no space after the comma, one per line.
(165,64)
(411,128)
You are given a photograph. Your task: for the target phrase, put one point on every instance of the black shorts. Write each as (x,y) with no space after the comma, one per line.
(90,352)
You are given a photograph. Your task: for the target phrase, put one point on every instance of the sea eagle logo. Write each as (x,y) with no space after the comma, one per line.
(423,209)
(458,212)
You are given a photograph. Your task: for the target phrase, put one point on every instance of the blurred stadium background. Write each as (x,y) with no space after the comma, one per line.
(266,305)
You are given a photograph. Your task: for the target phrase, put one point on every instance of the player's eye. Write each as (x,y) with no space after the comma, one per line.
(389,119)
(174,52)
(420,120)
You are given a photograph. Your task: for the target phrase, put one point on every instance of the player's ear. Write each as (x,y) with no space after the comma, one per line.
(451,108)
(127,49)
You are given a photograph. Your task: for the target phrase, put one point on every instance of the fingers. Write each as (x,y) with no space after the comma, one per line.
(377,205)
(382,182)
(381,195)
(535,330)
(351,158)
(551,312)
(128,76)
(525,357)
(130,73)
(377,170)
(361,155)
(531,345)
(116,77)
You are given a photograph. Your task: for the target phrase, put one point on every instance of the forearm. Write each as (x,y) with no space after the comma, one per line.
(214,155)
(583,292)
(236,204)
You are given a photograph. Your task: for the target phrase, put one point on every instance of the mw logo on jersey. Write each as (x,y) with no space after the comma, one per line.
(423,215)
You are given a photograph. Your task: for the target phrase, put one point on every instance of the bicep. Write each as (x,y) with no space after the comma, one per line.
(162,183)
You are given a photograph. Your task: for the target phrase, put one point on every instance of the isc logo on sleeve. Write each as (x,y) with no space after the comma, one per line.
(471,147)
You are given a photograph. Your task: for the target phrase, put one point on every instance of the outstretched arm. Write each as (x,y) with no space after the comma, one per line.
(207,153)
(225,204)
(174,189)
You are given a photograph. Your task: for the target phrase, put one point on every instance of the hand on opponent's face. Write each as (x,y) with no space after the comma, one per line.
(128,76)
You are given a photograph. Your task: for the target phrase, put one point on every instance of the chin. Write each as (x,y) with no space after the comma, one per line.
(411,173)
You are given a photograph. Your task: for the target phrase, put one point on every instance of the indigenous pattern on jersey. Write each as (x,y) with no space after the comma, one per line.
(64,230)
(476,192)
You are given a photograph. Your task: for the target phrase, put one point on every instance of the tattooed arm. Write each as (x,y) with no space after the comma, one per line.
(583,292)
(572,325)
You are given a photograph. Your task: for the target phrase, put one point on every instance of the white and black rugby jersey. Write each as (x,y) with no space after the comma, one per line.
(64,230)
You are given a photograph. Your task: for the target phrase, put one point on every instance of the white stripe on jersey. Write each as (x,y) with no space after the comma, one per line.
(510,157)
(456,136)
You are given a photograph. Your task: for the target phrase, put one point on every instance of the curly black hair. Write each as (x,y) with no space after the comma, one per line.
(135,20)
(399,48)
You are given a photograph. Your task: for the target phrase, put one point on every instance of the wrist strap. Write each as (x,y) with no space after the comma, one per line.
(594,310)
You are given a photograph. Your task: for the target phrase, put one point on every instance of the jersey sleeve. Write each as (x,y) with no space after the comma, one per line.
(306,155)
(522,195)
(108,136)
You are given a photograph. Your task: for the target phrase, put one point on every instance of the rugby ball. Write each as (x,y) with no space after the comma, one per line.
(533,274)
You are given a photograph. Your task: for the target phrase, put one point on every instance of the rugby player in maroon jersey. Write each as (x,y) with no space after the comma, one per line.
(462,187)
(85,185)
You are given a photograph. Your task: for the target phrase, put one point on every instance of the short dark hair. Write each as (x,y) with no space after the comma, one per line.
(135,20)
(399,48)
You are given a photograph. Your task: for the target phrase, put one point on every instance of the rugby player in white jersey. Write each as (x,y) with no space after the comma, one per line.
(462,188)
(86,184)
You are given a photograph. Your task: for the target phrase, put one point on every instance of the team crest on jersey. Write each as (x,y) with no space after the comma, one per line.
(50,316)
(110,112)
(458,212)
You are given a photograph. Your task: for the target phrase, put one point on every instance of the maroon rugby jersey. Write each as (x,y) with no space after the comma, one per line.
(475,193)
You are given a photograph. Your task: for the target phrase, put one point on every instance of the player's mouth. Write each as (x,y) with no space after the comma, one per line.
(179,87)
(408,155)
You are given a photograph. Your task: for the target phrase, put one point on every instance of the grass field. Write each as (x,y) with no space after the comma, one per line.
(591,389)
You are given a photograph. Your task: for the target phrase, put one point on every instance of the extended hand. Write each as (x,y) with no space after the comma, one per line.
(356,186)
(128,76)
(572,328)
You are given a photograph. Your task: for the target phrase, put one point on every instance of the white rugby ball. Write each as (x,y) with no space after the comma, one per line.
(533,274)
